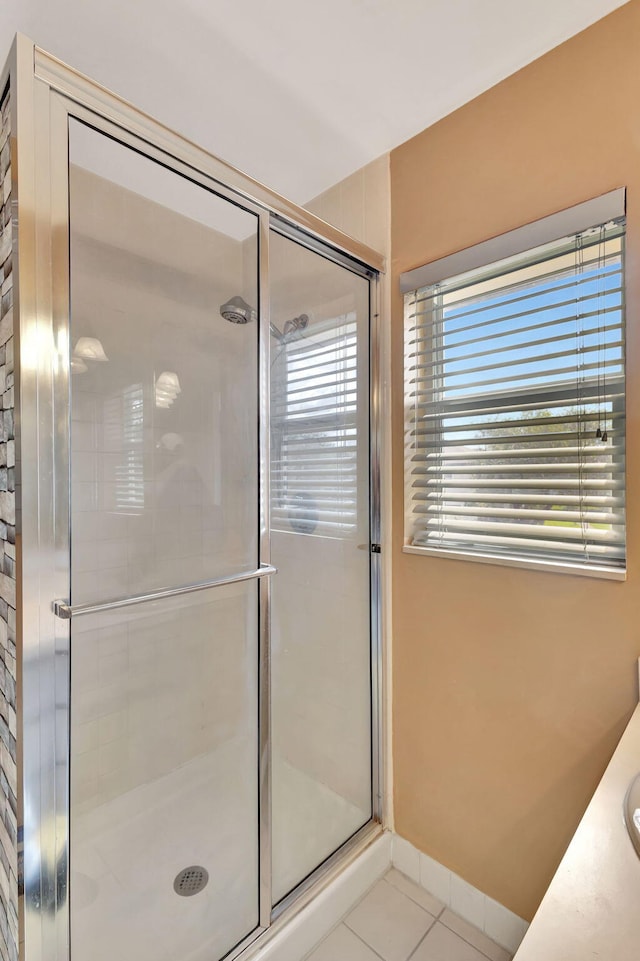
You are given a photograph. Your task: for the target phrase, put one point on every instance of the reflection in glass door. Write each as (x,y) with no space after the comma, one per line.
(164,494)
(320,629)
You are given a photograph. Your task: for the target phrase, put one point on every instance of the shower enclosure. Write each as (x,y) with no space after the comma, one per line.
(196,549)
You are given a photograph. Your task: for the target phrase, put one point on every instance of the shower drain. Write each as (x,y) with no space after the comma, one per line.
(191,881)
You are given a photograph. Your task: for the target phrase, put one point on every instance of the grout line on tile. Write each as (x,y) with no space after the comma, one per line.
(430,928)
(437,914)
(480,949)
(322,940)
(357,903)
(366,944)
(471,944)
(417,903)
(479,930)
(441,874)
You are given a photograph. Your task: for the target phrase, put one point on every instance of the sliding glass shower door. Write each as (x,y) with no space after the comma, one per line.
(320,516)
(164,802)
(222,723)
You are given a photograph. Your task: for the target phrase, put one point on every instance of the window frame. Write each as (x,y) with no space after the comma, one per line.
(481,257)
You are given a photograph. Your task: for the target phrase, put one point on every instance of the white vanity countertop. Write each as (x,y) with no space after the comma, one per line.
(591,911)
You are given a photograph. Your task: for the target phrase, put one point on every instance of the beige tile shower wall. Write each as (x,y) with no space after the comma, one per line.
(142,688)
(8,771)
(359,205)
(166,284)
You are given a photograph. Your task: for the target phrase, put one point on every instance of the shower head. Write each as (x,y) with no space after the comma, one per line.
(237,311)
(294,327)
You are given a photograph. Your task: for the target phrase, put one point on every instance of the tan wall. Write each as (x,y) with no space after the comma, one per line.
(512,687)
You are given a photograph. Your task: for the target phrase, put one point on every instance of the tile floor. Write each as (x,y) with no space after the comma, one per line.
(397,921)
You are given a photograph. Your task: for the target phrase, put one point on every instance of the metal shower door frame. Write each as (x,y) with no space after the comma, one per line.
(46,94)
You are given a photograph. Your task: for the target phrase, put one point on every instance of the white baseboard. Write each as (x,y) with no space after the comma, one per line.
(497,922)
(300,935)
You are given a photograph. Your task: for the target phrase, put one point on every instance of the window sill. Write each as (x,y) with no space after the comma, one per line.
(550,567)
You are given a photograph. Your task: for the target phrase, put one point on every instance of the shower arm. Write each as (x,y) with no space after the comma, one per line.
(279,336)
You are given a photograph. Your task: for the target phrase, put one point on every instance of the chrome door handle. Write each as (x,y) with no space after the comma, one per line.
(66,611)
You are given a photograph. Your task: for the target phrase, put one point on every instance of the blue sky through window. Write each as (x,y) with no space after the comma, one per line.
(526,334)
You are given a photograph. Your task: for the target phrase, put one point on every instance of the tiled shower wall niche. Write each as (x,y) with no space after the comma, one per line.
(8,769)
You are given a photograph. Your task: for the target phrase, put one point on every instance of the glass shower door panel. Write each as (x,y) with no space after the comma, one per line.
(163,759)
(164,389)
(164,494)
(321,648)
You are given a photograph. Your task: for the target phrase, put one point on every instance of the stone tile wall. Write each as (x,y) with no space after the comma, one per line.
(8,768)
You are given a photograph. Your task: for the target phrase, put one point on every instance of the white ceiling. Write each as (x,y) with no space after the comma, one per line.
(298,93)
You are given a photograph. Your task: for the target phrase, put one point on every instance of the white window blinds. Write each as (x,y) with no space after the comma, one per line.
(124,436)
(314,475)
(515,407)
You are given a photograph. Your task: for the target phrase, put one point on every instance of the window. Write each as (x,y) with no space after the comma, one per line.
(124,436)
(314,431)
(515,413)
